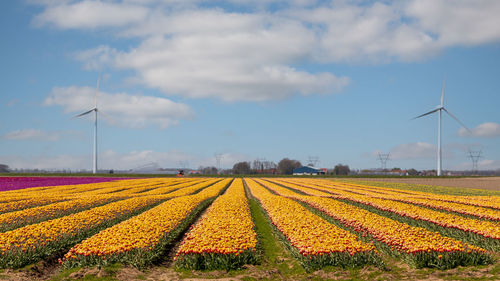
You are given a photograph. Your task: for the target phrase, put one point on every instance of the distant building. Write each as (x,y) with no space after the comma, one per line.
(307,170)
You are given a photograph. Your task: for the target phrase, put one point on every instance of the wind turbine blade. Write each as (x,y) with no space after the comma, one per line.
(442,90)
(108,118)
(430,112)
(85,113)
(454,117)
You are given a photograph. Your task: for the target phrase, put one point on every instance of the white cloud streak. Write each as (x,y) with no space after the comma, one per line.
(32,134)
(110,159)
(127,110)
(485,130)
(91,14)
(418,150)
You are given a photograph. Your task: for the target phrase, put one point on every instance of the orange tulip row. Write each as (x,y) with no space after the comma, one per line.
(310,234)
(488,229)
(427,200)
(144,232)
(480,201)
(226,227)
(400,236)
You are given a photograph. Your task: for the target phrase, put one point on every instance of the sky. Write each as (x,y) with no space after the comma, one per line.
(183,80)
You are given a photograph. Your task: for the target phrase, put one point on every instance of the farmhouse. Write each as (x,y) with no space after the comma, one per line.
(307,170)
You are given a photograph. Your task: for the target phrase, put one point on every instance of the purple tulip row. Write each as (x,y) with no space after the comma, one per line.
(12,183)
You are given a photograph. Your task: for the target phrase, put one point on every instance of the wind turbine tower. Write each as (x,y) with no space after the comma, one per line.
(439,110)
(94,167)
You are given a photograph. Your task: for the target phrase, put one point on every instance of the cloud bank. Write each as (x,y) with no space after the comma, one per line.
(127,110)
(485,130)
(251,51)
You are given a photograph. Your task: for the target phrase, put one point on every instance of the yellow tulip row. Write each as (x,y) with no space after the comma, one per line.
(27,198)
(480,201)
(226,227)
(143,232)
(445,202)
(310,234)
(487,229)
(30,243)
(181,189)
(400,236)
(28,203)
(51,230)
(15,219)
(467,209)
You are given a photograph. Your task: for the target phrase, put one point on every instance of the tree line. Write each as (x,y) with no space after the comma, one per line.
(284,167)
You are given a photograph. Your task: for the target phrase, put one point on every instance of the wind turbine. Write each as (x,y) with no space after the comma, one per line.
(94,168)
(439,109)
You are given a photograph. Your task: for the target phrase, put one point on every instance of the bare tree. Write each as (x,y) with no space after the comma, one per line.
(4,168)
(208,170)
(341,169)
(286,166)
(241,168)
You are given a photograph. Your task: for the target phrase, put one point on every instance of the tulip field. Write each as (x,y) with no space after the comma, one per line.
(204,224)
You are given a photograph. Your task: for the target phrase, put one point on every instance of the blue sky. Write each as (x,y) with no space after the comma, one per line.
(182,80)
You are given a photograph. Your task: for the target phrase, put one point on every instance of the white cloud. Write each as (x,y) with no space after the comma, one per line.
(110,159)
(485,130)
(191,49)
(32,134)
(96,58)
(418,150)
(485,164)
(90,14)
(374,33)
(232,57)
(127,110)
(463,22)
(488,164)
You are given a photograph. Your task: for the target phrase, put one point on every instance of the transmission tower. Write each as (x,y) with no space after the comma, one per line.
(313,161)
(474,156)
(218,159)
(383,158)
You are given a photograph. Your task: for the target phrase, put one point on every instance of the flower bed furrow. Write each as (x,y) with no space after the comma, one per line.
(31,243)
(224,238)
(143,238)
(488,229)
(314,241)
(420,247)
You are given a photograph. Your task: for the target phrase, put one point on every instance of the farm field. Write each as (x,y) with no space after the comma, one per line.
(246,229)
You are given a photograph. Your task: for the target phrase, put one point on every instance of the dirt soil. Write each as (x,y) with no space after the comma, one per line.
(489,183)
